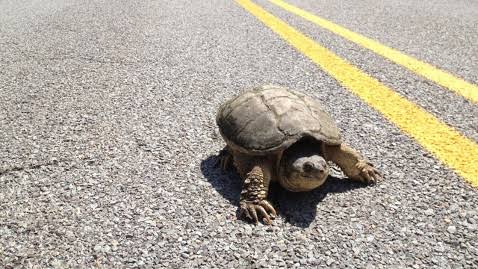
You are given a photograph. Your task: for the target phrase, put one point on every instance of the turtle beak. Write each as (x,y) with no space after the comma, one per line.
(310,168)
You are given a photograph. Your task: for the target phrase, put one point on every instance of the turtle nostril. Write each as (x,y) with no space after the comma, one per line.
(308,167)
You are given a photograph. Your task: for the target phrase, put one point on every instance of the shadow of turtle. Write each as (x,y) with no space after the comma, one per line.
(296,208)
(227,183)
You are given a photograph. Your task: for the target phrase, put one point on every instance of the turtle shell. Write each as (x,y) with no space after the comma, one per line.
(271,118)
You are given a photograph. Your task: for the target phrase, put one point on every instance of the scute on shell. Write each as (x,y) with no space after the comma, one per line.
(271,118)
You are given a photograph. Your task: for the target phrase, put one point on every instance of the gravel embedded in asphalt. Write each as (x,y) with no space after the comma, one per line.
(108,144)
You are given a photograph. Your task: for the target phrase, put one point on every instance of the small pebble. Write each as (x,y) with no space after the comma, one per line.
(451,229)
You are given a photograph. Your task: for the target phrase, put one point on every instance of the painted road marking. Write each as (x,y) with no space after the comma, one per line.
(453,149)
(442,78)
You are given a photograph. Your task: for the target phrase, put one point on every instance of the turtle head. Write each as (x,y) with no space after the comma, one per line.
(302,167)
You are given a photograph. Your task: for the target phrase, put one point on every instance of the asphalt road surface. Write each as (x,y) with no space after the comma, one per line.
(108,137)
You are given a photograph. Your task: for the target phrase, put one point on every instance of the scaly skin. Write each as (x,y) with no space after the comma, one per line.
(253,201)
(224,160)
(256,174)
(352,163)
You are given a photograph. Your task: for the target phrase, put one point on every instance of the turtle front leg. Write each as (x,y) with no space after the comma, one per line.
(352,163)
(253,200)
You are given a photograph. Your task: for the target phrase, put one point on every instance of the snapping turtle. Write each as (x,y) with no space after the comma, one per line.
(275,134)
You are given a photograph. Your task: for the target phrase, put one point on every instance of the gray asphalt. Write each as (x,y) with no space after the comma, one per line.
(440,33)
(108,139)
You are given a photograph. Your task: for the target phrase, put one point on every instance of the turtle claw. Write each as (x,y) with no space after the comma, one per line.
(253,211)
(224,160)
(370,174)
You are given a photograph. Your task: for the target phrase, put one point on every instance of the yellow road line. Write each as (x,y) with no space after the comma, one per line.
(453,149)
(458,85)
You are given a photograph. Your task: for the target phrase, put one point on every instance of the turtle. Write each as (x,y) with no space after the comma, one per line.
(275,134)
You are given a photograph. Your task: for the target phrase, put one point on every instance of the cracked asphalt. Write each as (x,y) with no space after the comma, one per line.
(108,137)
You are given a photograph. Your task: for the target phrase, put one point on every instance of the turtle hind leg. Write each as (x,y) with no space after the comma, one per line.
(224,160)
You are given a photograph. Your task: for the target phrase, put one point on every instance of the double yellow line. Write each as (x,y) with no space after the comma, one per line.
(453,149)
(453,83)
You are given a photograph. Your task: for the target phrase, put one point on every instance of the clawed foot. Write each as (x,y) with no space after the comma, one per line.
(369,174)
(254,210)
(224,160)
